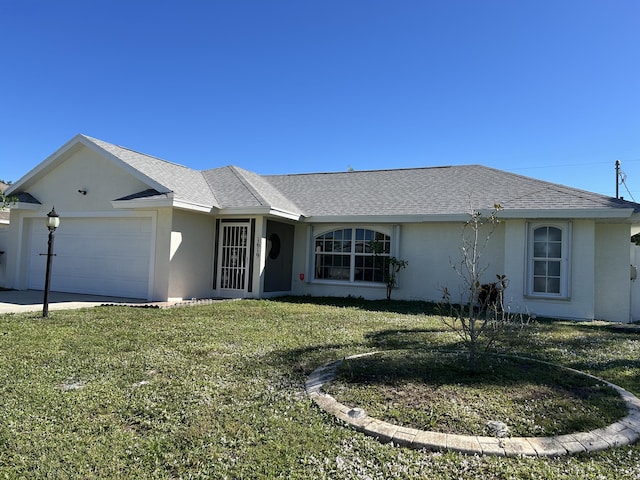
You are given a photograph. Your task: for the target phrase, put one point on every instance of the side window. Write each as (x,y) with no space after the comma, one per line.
(548,262)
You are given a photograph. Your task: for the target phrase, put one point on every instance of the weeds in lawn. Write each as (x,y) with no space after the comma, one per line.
(216,391)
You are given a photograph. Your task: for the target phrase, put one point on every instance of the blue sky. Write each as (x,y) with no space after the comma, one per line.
(548,89)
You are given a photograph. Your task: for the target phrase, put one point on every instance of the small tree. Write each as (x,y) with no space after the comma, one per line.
(390,268)
(479,317)
(5,201)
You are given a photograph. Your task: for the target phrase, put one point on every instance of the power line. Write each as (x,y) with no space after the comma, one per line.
(582,164)
(621,178)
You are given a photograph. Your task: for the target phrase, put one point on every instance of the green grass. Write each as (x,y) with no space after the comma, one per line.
(216,391)
(432,390)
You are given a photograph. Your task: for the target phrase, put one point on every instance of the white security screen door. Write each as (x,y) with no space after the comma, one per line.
(234,256)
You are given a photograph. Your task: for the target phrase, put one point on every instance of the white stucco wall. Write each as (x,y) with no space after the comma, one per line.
(4,240)
(580,302)
(191,255)
(598,286)
(81,169)
(430,248)
(612,273)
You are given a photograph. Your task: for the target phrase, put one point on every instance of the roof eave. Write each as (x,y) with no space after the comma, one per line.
(259,210)
(25,206)
(595,213)
(162,202)
(193,206)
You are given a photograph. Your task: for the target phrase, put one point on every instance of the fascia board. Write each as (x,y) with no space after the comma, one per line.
(25,206)
(600,213)
(244,211)
(377,218)
(262,210)
(194,207)
(634,218)
(596,214)
(160,203)
(285,214)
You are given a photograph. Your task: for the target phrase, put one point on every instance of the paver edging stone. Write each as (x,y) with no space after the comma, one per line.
(623,432)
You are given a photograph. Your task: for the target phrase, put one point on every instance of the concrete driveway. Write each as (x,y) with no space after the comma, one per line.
(15,301)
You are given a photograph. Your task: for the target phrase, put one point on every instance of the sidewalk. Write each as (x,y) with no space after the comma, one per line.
(15,301)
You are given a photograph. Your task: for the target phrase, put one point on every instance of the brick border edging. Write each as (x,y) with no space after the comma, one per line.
(623,432)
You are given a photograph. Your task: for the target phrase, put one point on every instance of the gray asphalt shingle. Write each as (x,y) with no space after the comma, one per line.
(430,191)
(417,191)
(187,184)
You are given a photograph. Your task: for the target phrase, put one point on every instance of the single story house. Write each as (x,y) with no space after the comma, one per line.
(4,225)
(137,226)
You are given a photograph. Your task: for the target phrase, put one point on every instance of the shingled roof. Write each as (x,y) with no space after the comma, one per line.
(423,193)
(433,191)
(188,184)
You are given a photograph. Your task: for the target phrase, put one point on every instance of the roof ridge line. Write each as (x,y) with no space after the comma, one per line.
(247,184)
(367,171)
(211,189)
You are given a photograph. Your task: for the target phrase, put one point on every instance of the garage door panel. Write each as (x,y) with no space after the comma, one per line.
(99,256)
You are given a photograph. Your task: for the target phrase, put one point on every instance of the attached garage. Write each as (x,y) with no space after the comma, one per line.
(102,256)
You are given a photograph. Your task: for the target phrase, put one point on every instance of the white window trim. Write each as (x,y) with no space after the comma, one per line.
(393,231)
(565,267)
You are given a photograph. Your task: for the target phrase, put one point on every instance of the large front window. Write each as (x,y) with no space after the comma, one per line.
(351,254)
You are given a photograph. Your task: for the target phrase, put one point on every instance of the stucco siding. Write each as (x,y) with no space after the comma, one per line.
(191,255)
(579,302)
(431,250)
(87,171)
(4,240)
(612,275)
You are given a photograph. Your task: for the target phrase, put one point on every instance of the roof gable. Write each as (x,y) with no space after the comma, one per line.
(418,193)
(183,183)
(235,187)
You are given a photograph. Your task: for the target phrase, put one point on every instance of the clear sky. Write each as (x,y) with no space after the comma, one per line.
(548,89)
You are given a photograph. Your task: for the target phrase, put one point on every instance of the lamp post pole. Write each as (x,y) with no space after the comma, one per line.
(53,220)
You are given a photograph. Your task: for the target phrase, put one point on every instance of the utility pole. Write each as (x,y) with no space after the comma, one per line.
(617,177)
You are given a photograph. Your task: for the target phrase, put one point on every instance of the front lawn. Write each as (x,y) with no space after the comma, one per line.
(216,391)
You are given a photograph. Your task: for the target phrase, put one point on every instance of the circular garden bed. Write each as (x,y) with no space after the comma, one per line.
(435,391)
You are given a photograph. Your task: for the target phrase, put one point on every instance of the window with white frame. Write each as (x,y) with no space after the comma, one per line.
(548,268)
(351,254)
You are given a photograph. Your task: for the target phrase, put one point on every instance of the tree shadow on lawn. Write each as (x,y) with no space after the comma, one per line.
(410,307)
(439,368)
(304,360)
(406,356)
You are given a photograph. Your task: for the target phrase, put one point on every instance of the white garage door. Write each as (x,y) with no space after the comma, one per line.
(103,256)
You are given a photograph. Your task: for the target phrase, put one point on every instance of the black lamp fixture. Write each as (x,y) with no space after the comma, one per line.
(53,222)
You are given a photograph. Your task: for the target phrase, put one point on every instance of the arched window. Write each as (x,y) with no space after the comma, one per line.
(351,254)
(548,260)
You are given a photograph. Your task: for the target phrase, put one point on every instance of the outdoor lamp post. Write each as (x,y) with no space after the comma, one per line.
(53,221)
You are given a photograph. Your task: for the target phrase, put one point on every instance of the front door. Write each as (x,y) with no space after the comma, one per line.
(234,255)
